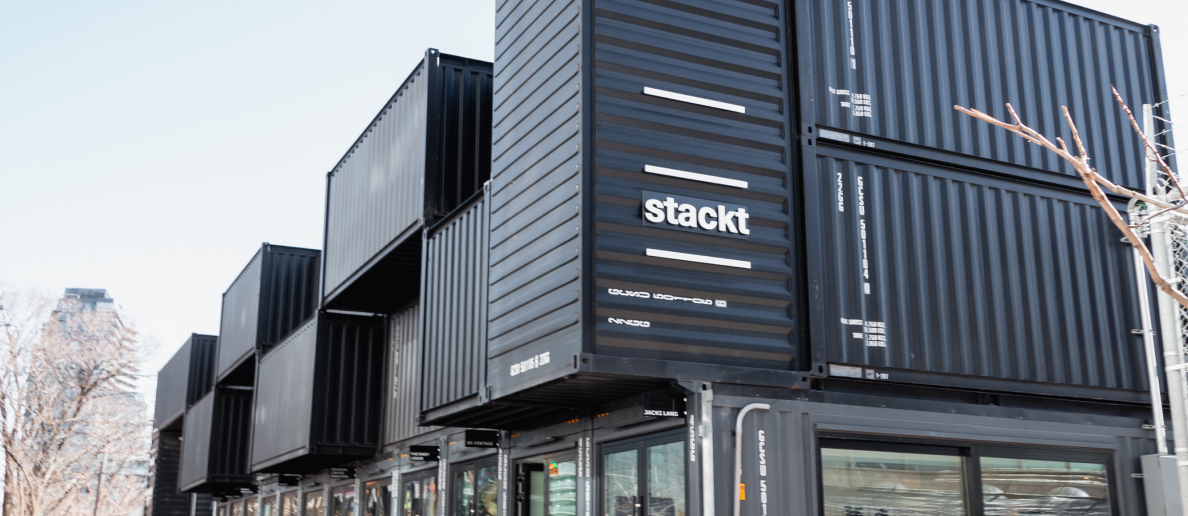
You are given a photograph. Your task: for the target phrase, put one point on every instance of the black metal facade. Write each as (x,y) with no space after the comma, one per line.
(276,292)
(216,441)
(425,154)
(188,376)
(320,395)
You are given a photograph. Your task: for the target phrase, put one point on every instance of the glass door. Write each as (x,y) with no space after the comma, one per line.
(313,503)
(377,499)
(644,477)
(475,489)
(290,506)
(419,496)
(546,486)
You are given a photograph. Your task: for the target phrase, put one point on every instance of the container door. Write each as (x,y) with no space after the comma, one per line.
(547,486)
(475,488)
(645,477)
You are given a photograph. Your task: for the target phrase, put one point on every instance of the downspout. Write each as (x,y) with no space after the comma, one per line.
(738,428)
(1140,274)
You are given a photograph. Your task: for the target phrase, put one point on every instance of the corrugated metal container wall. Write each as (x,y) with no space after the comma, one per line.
(164,498)
(284,396)
(454,292)
(929,269)
(195,458)
(729,157)
(215,448)
(404,360)
(375,191)
(240,321)
(350,411)
(173,387)
(464,115)
(895,69)
(274,294)
(201,378)
(535,256)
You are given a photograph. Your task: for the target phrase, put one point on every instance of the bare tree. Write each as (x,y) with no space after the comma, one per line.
(73,432)
(1096,182)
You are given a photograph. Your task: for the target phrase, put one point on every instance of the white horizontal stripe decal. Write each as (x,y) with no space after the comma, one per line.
(694,100)
(699,258)
(704,178)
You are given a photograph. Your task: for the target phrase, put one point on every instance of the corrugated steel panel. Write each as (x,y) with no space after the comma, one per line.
(164,498)
(188,376)
(239,325)
(454,293)
(536,202)
(461,108)
(284,396)
(404,359)
(895,69)
(274,294)
(215,447)
(350,412)
(320,395)
(938,270)
(677,310)
(375,192)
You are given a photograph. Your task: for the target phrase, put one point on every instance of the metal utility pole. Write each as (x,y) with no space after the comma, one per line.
(1164,252)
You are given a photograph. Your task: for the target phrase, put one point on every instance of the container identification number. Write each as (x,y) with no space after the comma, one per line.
(531,363)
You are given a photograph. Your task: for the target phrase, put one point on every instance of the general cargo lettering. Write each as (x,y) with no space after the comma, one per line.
(696,215)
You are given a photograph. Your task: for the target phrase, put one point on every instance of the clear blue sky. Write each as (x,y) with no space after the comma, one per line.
(150,147)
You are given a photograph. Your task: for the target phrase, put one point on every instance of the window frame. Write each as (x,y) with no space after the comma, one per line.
(971,454)
(491,461)
(640,444)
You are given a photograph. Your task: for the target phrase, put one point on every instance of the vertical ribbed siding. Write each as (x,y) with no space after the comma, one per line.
(376,190)
(202,367)
(404,359)
(173,382)
(164,498)
(291,290)
(464,147)
(230,439)
(352,388)
(238,327)
(195,458)
(284,396)
(724,51)
(535,245)
(973,275)
(455,294)
(918,58)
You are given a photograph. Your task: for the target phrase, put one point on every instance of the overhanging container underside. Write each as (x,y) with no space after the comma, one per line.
(927,269)
(376,191)
(216,440)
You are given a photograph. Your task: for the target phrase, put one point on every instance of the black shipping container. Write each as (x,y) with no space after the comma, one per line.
(320,398)
(215,442)
(926,272)
(275,293)
(890,72)
(188,376)
(164,497)
(402,408)
(424,155)
(454,297)
(656,198)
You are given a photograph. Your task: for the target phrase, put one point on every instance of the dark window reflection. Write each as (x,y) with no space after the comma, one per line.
(878,483)
(1041,487)
(344,502)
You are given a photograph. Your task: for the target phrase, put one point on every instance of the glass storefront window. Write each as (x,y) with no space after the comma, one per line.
(249,507)
(562,488)
(268,507)
(621,483)
(463,492)
(429,496)
(313,503)
(376,499)
(343,500)
(864,482)
(666,479)
(1028,486)
(221,510)
(237,508)
(289,505)
(488,492)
